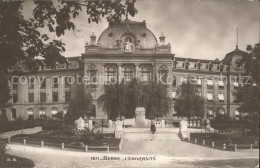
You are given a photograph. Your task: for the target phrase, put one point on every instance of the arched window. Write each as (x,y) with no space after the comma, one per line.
(111,73)
(42,113)
(146,73)
(30,113)
(163,73)
(54,111)
(129,72)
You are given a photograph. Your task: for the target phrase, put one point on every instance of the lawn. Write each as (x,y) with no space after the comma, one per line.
(219,140)
(50,137)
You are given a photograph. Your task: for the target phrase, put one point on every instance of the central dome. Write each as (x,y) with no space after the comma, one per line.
(127,31)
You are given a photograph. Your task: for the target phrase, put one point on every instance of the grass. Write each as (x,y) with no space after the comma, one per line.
(49,137)
(219,140)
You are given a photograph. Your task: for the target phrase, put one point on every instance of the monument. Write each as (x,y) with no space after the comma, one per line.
(118,129)
(140,117)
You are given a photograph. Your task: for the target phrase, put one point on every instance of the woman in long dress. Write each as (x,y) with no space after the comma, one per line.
(153,128)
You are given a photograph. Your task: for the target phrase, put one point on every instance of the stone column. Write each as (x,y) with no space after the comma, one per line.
(61,89)
(90,125)
(137,71)
(22,90)
(120,73)
(37,89)
(48,89)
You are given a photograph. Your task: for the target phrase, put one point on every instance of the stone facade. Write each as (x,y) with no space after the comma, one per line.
(126,50)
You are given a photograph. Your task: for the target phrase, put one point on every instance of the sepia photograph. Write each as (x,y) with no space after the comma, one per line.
(129,83)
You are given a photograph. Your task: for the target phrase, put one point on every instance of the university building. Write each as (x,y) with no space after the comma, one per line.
(127,49)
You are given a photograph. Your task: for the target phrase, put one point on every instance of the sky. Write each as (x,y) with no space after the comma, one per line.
(196,29)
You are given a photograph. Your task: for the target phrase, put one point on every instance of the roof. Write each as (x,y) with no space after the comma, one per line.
(228,57)
(120,31)
(196,60)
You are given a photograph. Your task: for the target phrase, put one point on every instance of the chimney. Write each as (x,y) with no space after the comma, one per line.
(93,38)
(162,39)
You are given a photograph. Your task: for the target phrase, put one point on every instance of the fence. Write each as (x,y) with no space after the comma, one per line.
(226,145)
(62,146)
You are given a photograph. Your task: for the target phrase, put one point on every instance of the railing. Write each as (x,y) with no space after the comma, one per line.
(226,145)
(59,145)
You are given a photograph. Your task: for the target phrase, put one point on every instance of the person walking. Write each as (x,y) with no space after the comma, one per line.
(153,128)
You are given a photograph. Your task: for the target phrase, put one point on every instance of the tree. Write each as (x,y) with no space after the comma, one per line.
(189,104)
(110,102)
(4,92)
(247,97)
(21,40)
(251,62)
(4,95)
(80,104)
(155,100)
(122,99)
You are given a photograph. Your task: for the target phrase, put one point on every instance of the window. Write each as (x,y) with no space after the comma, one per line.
(31,83)
(209,84)
(198,83)
(31,97)
(54,111)
(93,76)
(13,111)
(220,84)
(68,81)
(67,96)
(174,82)
(93,110)
(199,94)
(15,83)
(42,97)
(236,84)
(145,73)
(74,63)
(55,96)
(210,113)
(111,74)
(221,111)
(30,113)
(237,114)
(43,83)
(129,73)
(42,113)
(55,82)
(209,97)
(221,97)
(163,76)
(15,97)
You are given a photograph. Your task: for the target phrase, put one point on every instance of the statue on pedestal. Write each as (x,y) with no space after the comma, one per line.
(128,46)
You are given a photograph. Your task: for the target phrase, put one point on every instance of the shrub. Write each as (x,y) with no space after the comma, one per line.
(67,130)
(3,150)
(51,124)
(18,124)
